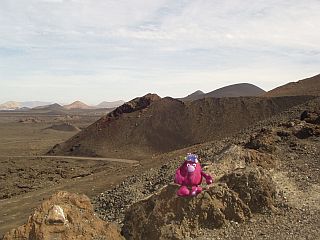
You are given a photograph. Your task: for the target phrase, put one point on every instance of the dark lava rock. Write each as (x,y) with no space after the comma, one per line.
(135,105)
(307,131)
(311,117)
(263,141)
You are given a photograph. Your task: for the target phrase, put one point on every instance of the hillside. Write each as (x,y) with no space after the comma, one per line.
(12,105)
(308,86)
(51,107)
(271,165)
(151,125)
(33,104)
(193,96)
(77,105)
(235,90)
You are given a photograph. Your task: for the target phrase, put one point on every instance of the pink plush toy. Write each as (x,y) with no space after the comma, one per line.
(189,176)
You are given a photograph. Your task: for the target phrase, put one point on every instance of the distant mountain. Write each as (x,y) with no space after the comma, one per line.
(13,105)
(51,107)
(235,90)
(77,105)
(32,104)
(10,105)
(308,86)
(114,104)
(37,105)
(193,96)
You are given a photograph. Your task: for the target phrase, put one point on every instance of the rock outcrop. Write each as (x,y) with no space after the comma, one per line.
(235,156)
(166,216)
(65,216)
(264,141)
(135,105)
(311,117)
(254,186)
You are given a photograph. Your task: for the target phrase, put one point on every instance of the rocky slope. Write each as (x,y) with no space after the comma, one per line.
(151,125)
(308,86)
(285,148)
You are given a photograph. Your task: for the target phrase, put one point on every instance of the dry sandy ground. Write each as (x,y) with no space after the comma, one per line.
(26,181)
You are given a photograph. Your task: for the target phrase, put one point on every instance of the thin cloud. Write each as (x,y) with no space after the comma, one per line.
(158,43)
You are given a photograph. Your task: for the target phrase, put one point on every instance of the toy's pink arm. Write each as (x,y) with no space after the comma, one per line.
(178,178)
(208,178)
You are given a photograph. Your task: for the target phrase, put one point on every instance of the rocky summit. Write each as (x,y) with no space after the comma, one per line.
(65,216)
(166,216)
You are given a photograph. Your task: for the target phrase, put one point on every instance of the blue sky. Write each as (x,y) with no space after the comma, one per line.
(96,50)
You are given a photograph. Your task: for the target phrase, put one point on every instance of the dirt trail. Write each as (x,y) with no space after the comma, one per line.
(27,142)
(308,197)
(15,211)
(78,158)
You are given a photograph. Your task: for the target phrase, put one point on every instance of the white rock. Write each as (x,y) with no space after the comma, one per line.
(56,216)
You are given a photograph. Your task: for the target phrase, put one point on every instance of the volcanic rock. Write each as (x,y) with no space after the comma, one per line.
(254,186)
(135,105)
(263,141)
(233,157)
(311,117)
(166,216)
(307,131)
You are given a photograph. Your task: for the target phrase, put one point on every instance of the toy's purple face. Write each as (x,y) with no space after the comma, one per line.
(191,167)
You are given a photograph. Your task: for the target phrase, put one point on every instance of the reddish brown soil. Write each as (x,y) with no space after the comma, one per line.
(308,86)
(163,125)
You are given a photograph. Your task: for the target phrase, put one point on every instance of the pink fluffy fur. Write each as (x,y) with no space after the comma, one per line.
(189,175)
